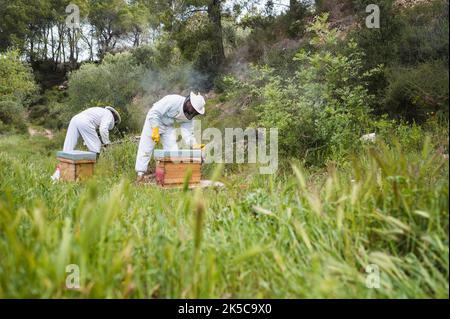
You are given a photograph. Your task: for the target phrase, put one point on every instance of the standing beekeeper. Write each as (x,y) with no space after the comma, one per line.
(159,126)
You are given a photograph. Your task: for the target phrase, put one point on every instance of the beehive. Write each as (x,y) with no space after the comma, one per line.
(76,165)
(173,167)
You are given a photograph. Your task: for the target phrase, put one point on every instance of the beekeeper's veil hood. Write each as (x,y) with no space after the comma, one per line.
(117,117)
(198,102)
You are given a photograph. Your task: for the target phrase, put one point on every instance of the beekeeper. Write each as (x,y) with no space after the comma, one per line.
(159,126)
(87,123)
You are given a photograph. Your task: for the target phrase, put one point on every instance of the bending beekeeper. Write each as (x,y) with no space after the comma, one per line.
(86,124)
(159,126)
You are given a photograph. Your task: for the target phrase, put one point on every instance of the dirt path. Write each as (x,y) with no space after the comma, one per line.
(44,132)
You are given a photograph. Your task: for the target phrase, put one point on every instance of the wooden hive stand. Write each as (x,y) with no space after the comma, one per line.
(76,165)
(173,167)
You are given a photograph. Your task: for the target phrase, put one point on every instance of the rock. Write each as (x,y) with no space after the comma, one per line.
(369,138)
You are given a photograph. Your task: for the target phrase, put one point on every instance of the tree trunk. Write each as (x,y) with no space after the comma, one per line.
(63,52)
(215,17)
(46,33)
(31,49)
(52,43)
(294,6)
(73,46)
(91,46)
(137,37)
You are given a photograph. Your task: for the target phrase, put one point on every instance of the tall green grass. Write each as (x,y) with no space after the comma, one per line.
(296,234)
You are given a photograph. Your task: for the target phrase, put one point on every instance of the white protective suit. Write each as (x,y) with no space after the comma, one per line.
(164,114)
(85,124)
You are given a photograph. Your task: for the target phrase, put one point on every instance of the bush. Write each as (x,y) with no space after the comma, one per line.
(424,36)
(415,93)
(159,56)
(16,78)
(17,90)
(114,82)
(321,111)
(11,116)
(53,115)
(51,110)
(413,44)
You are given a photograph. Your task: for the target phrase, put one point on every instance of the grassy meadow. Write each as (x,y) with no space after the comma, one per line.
(301,233)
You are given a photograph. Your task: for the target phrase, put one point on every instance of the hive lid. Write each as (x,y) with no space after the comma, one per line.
(164,154)
(77,155)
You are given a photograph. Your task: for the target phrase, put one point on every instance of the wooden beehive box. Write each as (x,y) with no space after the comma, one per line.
(76,165)
(173,167)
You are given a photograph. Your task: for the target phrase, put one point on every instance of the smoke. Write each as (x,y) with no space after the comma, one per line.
(179,79)
(155,84)
(238,65)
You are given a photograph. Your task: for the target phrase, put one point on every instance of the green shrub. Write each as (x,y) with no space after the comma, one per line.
(11,116)
(16,78)
(425,34)
(159,56)
(114,82)
(53,115)
(51,110)
(416,92)
(322,110)
(413,45)
(17,90)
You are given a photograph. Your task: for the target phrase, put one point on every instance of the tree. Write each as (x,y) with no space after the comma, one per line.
(16,78)
(198,31)
(215,18)
(23,24)
(139,22)
(111,20)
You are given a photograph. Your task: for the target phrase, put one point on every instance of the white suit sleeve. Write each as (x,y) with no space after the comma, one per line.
(158,110)
(106,124)
(187,132)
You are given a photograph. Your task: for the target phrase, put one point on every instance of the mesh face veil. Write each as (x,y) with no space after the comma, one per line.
(188,109)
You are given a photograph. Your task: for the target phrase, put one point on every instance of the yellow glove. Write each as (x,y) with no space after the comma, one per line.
(198,146)
(155,135)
